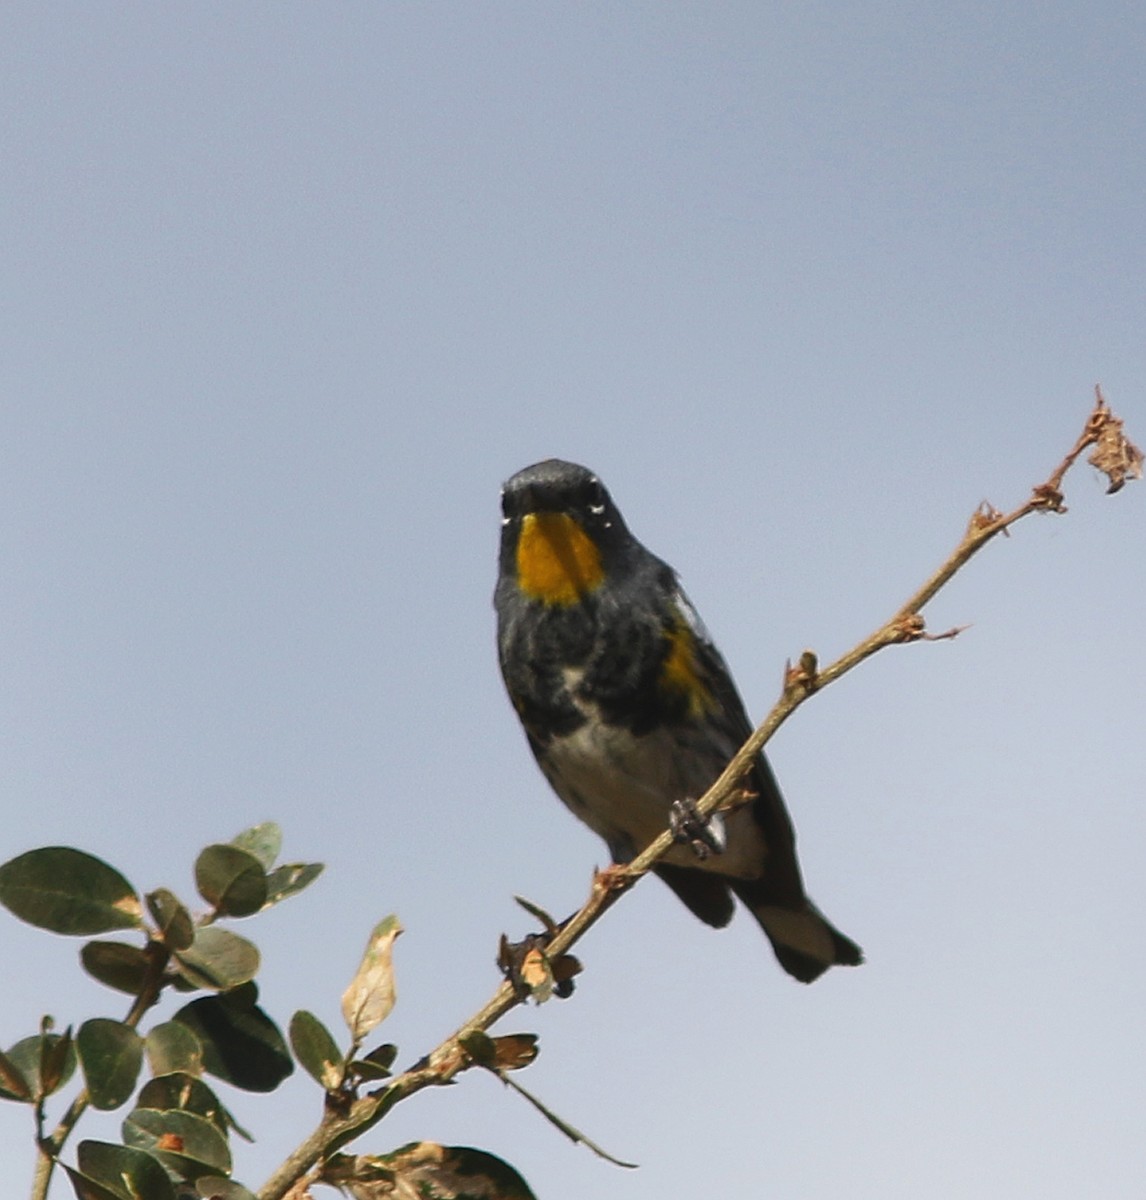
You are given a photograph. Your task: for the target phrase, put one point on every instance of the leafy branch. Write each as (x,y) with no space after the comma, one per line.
(1111,453)
(176,1136)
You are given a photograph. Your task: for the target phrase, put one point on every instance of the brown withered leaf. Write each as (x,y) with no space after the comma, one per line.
(512,1051)
(371,994)
(1114,454)
(564,967)
(427,1171)
(536,975)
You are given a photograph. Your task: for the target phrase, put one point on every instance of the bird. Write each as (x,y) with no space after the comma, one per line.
(632,713)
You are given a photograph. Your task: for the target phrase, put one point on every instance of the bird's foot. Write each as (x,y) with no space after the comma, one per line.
(703,836)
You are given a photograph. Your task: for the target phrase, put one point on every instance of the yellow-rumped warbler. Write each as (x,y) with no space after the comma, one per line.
(631,712)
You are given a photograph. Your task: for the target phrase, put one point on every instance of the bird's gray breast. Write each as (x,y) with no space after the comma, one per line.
(622,785)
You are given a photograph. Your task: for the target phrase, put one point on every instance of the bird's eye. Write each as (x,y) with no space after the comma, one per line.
(595,498)
(506,507)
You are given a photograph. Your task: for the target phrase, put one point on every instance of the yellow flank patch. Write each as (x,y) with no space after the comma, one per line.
(681,671)
(557,561)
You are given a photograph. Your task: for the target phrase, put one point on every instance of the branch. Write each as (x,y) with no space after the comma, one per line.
(1113,454)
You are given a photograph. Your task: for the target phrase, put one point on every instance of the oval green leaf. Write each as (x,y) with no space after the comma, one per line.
(231,880)
(118,965)
(88,1189)
(290,879)
(186,1144)
(182,1091)
(111,1055)
(213,1187)
(13,1085)
(120,1172)
(218,959)
(375,1065)
(30,1055)
(241,1044)
(171,918)
(173,1048)
(68,891)
(316,1049)
(263,841)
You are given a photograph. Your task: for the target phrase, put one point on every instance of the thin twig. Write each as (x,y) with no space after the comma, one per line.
(449,1059)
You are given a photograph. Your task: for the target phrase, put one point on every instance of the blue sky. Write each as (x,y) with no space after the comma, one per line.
(290,289)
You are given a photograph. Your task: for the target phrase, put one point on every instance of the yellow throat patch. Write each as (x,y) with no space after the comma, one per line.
(557,561)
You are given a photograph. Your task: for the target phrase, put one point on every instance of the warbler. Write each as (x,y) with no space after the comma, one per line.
(631,712)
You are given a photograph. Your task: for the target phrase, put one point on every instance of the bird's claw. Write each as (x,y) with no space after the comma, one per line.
(692,830)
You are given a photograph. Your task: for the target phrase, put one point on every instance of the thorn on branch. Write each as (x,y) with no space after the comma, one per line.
(804,675)
(1047,498)
(983,518)
(908,627)
(613,880)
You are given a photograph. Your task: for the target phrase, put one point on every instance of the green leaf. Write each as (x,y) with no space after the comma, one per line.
(88,1189)
(171,918)
(111,1055)
(28,1057)
(186,1144)
(370,997)
(218,959)
(316,1049)
(183,1091)
(179,1090)
(118,1172)
(262,841)
(57,1057)
(13,1085)
(290,879)
(428,1170)
(213,1187)
(172,1047)
(241,1044)
(118,965)
(479,1046)
(231,880)
(68,891)
(376,1064)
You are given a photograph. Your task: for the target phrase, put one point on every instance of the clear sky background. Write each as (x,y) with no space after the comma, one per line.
(290,289)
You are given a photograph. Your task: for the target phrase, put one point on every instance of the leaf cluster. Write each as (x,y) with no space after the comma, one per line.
(177,1132)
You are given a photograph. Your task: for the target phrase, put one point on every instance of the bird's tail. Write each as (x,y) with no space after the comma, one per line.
(804,940)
